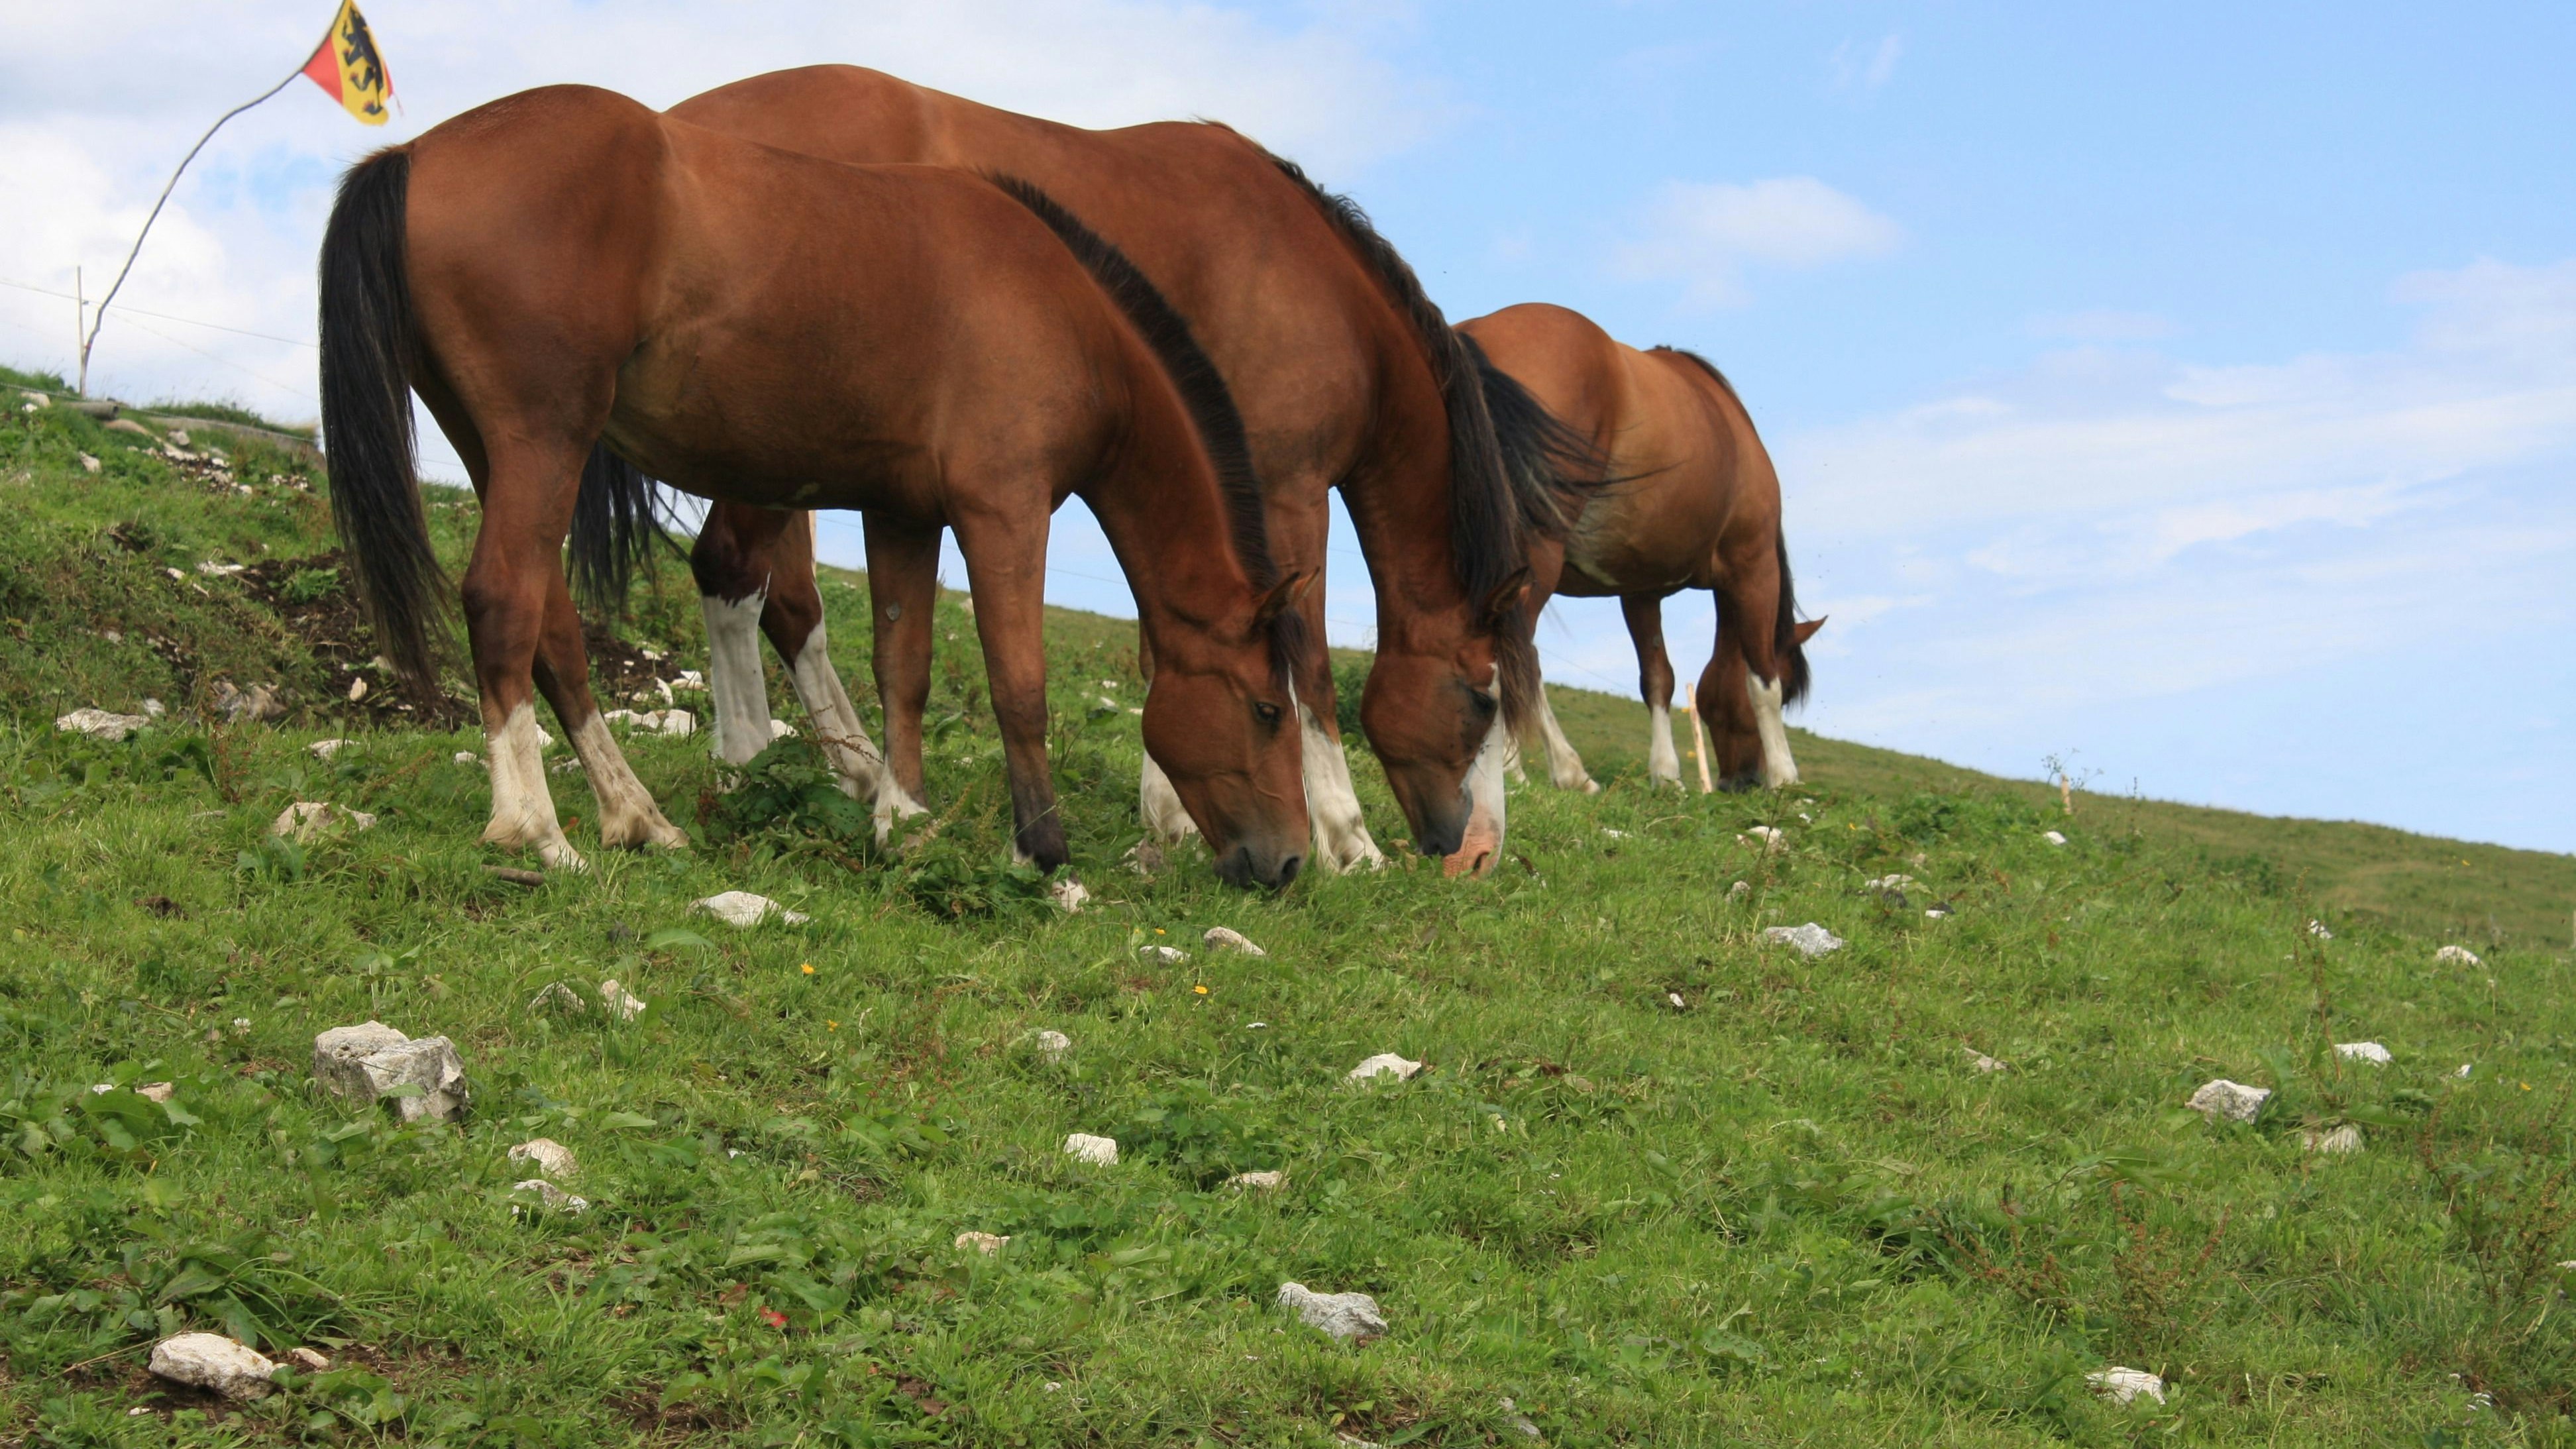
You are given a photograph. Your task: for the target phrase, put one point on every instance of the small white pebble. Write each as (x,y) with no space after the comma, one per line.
(2463,1072)
(2363,1051)
(2053,838)
(1102,1151)
(1384,1064)
(2334,1140)
(1984,1063)
(2120,1385)
(1675,998)
(1257,1181)
(1053,1044)
(985,1243)
(2318,930)
(2456,956)
(1224,938)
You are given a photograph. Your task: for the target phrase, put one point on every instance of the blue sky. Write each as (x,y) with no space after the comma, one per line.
(2191,392)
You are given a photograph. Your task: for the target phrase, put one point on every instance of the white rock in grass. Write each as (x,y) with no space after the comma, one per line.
(2363,1051)
(550,1198)
(985,1243)
(549,1157)
(1985,1063)
(1053,1044)
(1739,890)
(679,723)
(2226,1101)
(1384,1064)
(1346,1316)
(2053,838)
(2463,1072)
(1809,939)
(780,729)
(621,1003)
(212,1361)
(2334,1141)
(558,997)
(1102,1151)
(1769,838)
(1070,894)
(2456,956)
(1257,1181)
(306,821)
(466,757)
(371,1061)
(157,1091)
(325,749)
(2121,1385)
(745,910)
(98,724)
(1166,955)
(2318,930)
(1890,883)
(88,463)
(1223,938)
(311,1360)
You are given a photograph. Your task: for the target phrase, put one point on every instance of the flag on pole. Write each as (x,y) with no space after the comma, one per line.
(347,67)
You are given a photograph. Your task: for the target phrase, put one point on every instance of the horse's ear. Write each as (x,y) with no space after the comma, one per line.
(1284,595)
(1505,601)
(1807,630)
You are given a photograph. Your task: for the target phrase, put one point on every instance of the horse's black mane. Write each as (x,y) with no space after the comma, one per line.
(1704,365)
(1201,387)
(1486,509)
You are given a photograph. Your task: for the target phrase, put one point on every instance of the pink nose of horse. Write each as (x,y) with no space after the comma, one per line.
(1477,849)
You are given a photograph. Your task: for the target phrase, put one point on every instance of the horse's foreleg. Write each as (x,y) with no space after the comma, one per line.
(903,589)
(1748,611)
(1342,840)
(1157,803)
(1645,616)
(627,814)
(793,620)
(732,564)
(1006,568)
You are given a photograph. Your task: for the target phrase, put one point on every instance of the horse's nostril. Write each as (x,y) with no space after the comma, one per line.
(1288,870)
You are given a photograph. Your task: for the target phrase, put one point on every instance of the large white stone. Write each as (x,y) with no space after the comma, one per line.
(1346,1316)
(2120,1385)
(212,1361)
(1809,939)
(364,1063)
(548,1156)
(98,724)
(745,910)
(1226,938)
(2226,1101)
(1101,1151)
(306,821)
(1384,1064)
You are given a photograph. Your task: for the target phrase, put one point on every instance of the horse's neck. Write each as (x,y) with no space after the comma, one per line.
(1169,518)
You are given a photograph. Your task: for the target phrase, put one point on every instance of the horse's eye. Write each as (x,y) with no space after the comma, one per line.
(1268,712)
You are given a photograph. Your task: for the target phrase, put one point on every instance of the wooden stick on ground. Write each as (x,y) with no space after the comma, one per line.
(1699,744)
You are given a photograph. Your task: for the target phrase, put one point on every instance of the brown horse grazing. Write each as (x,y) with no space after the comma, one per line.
(1348,377)
(565,269)
(1689,501)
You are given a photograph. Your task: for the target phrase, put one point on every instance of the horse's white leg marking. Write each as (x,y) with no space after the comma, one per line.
(523,809)
(854,756)
(1778,770)
(1564,767)
(1161,806)
(1341,831)
(627,814)
(1483,843)
(734,676)
(1662,765)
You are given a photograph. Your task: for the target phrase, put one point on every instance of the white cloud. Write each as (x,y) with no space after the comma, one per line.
(1704,233)
(1866,68)
(80,162)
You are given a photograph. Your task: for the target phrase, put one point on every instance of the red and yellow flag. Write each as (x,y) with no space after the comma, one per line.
(347,66)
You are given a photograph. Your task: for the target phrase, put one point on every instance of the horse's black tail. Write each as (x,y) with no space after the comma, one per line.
(1550,466)
(1785,645)
(614,529)
(367,349)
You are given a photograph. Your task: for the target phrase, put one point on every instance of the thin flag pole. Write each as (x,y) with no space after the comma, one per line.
(92,339)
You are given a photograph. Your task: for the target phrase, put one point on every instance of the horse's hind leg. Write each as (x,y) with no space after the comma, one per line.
(1645,616)
(793,620)
(1726,707)
(517,568)
(1157,803)
(903,589)
(733,567)
(627,814)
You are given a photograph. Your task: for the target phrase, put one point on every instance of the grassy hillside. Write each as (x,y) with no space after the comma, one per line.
(1661,1181)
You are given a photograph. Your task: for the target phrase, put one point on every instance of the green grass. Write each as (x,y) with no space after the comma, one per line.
(1786,1210)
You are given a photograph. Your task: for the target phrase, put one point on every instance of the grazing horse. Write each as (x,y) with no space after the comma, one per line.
(1685,498)
(1348,377)
(565,273)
